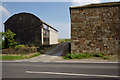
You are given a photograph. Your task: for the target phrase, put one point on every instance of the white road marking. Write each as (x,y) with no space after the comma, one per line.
(71,74)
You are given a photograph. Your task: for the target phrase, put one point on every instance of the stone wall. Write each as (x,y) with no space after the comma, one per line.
(26,50)
(95,28)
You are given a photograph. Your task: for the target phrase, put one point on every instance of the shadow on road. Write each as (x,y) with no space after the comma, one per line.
(60,50)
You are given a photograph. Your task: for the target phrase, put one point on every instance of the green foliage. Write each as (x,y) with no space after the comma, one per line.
(9,36)
(21,46)
(98,55)
(3,44)
(77,56)
(1,36)
(63,40)
(12,57)
(0,40)
(20,56)
(83,55)
(34,55)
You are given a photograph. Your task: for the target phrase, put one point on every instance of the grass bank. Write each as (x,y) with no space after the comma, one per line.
(83,56)
(63,40)
(17,57)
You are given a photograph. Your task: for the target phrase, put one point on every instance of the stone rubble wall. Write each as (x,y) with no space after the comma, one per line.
(95,30)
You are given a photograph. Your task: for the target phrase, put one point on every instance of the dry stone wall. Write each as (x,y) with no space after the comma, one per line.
(95,29)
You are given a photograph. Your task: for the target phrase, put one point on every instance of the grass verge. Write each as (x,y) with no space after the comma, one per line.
(63,40)
(83,56)
(16,57)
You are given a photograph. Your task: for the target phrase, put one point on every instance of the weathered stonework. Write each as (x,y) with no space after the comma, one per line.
(95,28)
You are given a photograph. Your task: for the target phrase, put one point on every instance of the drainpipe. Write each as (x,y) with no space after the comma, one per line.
(42,35)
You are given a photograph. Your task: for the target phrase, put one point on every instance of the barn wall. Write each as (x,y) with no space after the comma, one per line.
(95,29)
(27,28)
(53,37)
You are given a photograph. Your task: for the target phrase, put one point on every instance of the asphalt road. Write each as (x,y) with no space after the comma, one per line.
(59,70)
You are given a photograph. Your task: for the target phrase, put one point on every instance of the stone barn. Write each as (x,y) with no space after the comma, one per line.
(31,30)
(95,28)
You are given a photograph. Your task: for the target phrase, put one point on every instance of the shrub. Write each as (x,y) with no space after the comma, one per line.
(83,55)
(3,44)
(98,55)
(77,56)
(20,46)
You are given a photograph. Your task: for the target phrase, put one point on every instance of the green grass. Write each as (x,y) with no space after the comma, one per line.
(34,55)
(11,57)
(83,55)
(63,40)
(17,57)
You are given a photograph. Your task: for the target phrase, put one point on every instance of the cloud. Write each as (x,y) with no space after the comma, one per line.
(110,0)
(84,2)
(4,12)
(5,5)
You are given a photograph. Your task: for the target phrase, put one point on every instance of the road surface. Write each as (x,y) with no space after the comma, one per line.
(59,70)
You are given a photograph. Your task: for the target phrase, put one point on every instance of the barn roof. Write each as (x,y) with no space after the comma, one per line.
(31,15)
(98,5)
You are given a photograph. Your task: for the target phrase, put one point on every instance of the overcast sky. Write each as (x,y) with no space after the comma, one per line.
(56,14)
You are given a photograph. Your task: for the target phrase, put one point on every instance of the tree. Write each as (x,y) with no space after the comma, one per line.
(9,39)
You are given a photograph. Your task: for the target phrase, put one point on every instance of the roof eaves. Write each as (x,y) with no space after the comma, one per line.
(49,25)
(98,5)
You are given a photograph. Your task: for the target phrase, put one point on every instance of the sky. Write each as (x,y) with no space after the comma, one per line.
(56,14)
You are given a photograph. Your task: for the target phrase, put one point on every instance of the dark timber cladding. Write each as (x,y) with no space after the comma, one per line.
(28,29)
(95,28)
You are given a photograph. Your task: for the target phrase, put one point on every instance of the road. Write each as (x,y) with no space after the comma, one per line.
(59,70)
(59,49)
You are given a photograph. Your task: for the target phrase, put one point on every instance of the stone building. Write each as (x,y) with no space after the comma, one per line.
(31,30)
(95,28)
